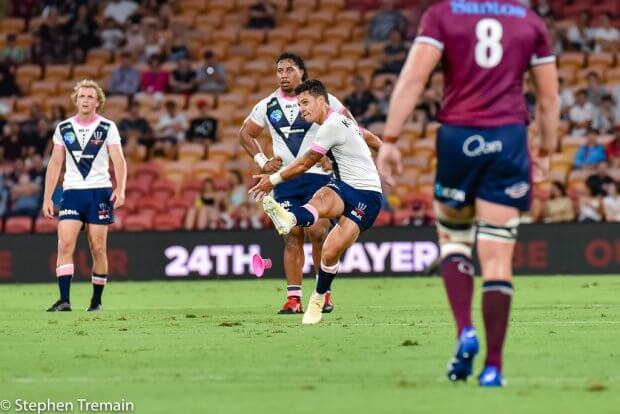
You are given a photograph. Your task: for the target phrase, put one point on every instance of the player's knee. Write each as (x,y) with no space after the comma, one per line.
(502,233)
(330,255)
(456,236)
(65,247)
(98,250)
(317,233)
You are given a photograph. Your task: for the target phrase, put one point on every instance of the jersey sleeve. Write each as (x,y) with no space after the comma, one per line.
(431,29)
(335,104)
(259,113)
(327,137)
(542,49)
(57,139)
(114,137)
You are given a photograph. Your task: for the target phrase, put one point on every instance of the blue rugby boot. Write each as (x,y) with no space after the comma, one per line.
(491,377)
(460,366)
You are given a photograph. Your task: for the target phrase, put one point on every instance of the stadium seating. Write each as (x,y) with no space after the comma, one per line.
(18,224)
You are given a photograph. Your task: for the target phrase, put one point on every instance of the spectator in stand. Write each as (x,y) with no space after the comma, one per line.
(40,142)
(58,114)
(81,34)
(132,122)
(394,54)
(559,207)
(378,110)
(4,196)
(8,86)
(25,9)
(607,116)
(12,148)
(589,206)
(607,37)
(385,21)
(205,213)
(590,154)
(170,129)
(112,36)
(12,54)
(134,40)
(567,99)
(204,127)
(419,216)
(36,169)
(543,9)
(237,192)
(611,202)
(613,150)
(596,90)
(28,127)
(579,34)
(244,219)
(154,44)
(124,80)
(183,79)
(556,36)
(155,79)
(178,47)
(120,10)
(581,114)
(51,44)
(212,75)
(25,197)
(359,101)
(262,15)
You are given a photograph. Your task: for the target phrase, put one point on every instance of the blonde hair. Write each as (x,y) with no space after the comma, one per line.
(89,83)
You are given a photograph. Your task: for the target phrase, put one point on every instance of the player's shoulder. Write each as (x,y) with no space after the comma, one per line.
(104,120)
(332,99)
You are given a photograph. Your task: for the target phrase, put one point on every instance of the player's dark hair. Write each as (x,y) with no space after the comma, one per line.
(297,60)
(313,87)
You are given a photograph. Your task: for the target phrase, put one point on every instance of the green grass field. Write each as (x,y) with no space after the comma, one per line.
(219,347)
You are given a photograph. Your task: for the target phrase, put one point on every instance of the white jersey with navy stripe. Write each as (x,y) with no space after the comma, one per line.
(291,135)
(94,160)
(341,140)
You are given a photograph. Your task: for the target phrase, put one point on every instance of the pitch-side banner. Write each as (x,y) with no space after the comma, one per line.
(399,251)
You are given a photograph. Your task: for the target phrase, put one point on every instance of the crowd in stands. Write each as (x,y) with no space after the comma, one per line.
(164,95)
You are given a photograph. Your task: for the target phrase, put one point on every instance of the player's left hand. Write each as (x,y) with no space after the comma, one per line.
(118,197)
(263,187)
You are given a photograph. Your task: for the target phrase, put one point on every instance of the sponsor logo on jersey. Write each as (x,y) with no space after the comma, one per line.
(451,193)
(360,211)
(475,146)
(517,190)
(97,138)
(67,212)
(276,115)
(69,137)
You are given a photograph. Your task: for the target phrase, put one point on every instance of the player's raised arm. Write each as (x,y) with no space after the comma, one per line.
(420,63)
(545,78)
(51,178)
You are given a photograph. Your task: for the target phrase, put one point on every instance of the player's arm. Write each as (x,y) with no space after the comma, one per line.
(417,70)
(545,78)
(120,172)
(54,167)
(248,135)
(373,141)
(296,168)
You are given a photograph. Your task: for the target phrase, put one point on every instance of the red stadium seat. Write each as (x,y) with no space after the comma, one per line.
(402,217)
(384,218)
(152,203)
(138,222)
(137,187)
(168,222)
(45,225)
(166,189)
(18,224)
(150,170)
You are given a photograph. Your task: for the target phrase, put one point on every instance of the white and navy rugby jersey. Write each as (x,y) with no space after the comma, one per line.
(291,135)
(86,152)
